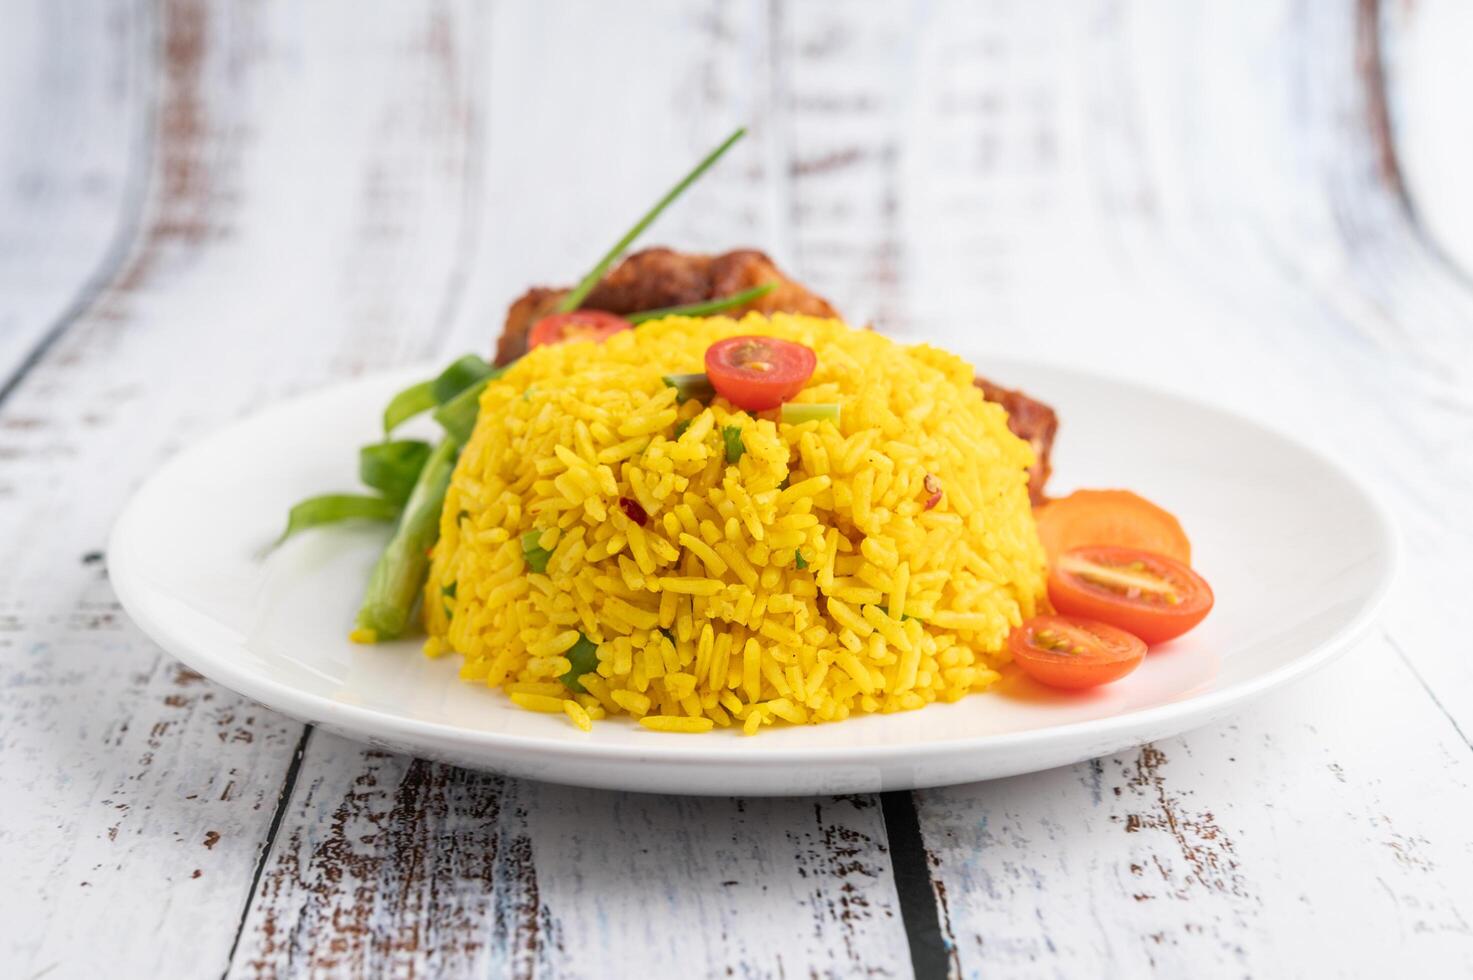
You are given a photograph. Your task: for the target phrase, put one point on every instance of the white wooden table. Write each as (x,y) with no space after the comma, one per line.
(205,206)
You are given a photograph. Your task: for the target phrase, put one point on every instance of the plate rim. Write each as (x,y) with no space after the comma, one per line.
(370,723)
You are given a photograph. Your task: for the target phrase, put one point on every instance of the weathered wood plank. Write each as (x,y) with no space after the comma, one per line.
(304,216)
(387,865)
(73,105)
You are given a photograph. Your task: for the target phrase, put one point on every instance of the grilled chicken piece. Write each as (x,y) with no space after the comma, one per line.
(660,277)
(1032,421)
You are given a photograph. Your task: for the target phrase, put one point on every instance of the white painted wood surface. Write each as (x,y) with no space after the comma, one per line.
(240,201)
(73,111)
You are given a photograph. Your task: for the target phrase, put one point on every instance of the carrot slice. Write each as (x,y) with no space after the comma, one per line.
(1110,517)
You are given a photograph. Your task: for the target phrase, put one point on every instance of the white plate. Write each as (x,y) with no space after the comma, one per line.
(1299,556)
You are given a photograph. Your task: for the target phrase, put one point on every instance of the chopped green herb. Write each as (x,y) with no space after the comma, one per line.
(708,307)
(391,468)
(796,414)
(449,590)
(407,404)
(799,562)
(535,555)
(681,426)
(732,434)
(584,658)
(461,375)
(688,386)
(334,507)
(580,292)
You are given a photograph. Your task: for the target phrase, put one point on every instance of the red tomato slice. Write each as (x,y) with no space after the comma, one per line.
(595,325)
(758,373)
(1071,653)
(1155,597)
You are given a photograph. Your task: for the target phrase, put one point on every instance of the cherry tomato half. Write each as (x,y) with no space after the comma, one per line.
(1155,597)
(1072,653)
(595,325)
(758,373)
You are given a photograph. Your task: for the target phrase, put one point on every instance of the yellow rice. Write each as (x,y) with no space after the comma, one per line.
(702,617)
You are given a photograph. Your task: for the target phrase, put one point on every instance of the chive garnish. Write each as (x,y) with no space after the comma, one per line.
(794,413)
(580,292)
(706,308)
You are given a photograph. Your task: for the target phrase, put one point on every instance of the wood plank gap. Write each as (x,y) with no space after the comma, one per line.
(129,229)
(930,954)
(1428,688)
(283,800)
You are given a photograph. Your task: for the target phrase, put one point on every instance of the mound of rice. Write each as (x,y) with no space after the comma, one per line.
(807,582)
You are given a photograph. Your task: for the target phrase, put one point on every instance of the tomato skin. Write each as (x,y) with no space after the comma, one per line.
(595,325)
(1098,654)
(759,373)
(1080,584)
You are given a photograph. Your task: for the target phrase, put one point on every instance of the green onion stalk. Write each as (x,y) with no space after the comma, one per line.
(796,413)
(580,292)
(705,308)
(399,576)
